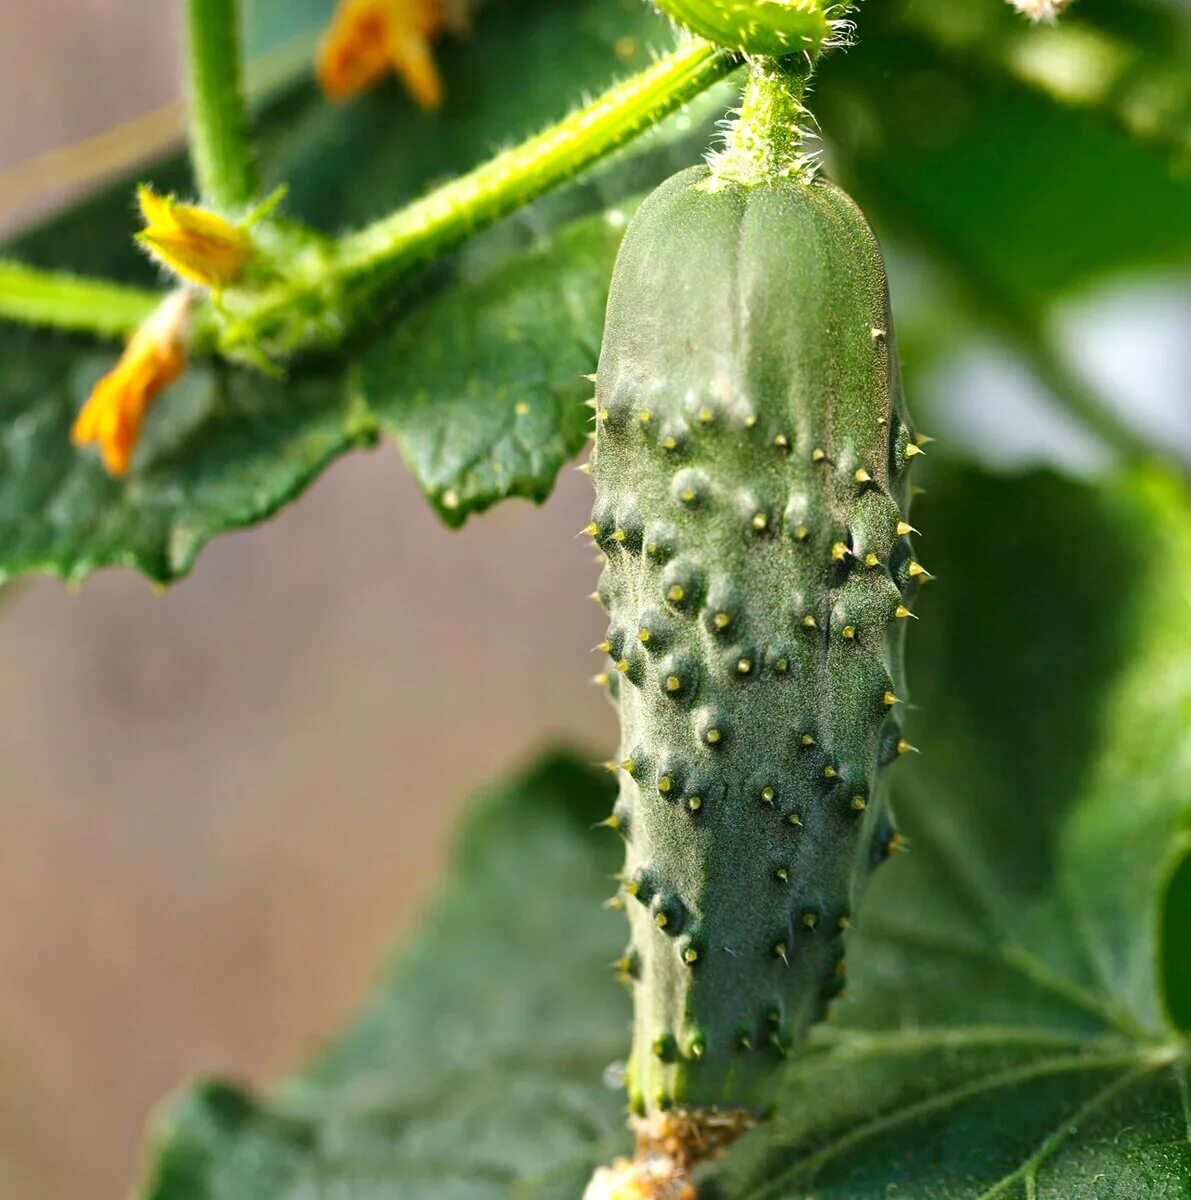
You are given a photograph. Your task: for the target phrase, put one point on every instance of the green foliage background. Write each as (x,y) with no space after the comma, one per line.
(1011,198)
(1021,985)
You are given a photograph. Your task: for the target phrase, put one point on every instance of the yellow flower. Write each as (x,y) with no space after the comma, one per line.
(368,39)
(197,244)
(154,357)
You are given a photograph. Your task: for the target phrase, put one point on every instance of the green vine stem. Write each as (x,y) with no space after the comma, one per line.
(776,27)
(219,145)
(72,302)
(83,304)
(363,262)
(448,215)
(342,275)
(767,141)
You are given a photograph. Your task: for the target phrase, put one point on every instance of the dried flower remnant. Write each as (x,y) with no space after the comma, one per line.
(627,1179)
(669,1146)
(194,243)
(154,357)
(369,39)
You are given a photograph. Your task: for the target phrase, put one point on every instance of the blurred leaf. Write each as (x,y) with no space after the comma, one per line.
(484,389)
(477,1069)
(1176,934)
(1125,63)
(1030,198)
(1006,1037)
(269,24)
(227,447)
(1015,195)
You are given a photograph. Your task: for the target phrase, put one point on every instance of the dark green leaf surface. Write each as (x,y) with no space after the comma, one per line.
(227,447)
(1005,1038)
(226,451)
(1021,197)
(483,388)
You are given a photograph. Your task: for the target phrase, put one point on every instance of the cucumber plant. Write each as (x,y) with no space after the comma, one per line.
(753,463)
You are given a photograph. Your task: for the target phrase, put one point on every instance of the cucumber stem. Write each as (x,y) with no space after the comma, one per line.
(76,303)
(362,263)
(767,140)
(777,27)
(446,216)
(219,143)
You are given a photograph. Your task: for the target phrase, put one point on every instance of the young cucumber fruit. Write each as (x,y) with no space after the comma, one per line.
(751,470)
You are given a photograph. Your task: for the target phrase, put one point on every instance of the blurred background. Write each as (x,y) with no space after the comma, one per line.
(218,805)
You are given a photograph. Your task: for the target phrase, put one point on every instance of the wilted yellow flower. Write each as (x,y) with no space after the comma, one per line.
(154,357)
(368,39)
(197,244)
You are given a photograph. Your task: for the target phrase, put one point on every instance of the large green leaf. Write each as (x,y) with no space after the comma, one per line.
(1006,1035)
(227,450)
(937,119)
(483,388)
(228,447)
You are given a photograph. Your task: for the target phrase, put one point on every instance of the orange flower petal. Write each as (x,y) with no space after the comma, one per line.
(353,55)
(413,63)
(154,357)
(367,39)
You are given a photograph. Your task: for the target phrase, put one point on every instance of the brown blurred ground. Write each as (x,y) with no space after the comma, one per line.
(218,806)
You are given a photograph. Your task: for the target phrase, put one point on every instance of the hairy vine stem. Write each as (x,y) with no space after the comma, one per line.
(58,299)
(525,172)
(356,266)
(219,143)
(767,141)
(773,27)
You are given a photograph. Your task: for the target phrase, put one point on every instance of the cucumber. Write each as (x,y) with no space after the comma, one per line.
(751,467)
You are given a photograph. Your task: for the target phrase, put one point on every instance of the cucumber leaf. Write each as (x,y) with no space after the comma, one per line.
(226,447)
(1016,1020)
(459,1080)
(484,388)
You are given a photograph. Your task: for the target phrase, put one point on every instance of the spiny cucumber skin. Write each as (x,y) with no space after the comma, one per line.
(748,373)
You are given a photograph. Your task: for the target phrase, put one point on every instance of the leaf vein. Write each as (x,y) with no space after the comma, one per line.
(876,1126)
(1027,1172)
(1024,963)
